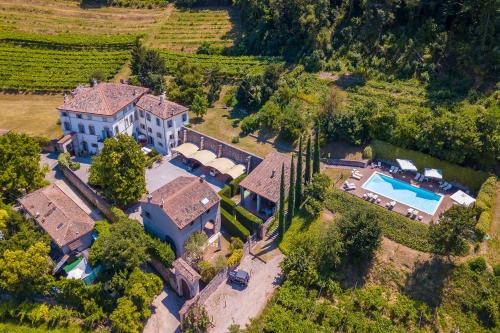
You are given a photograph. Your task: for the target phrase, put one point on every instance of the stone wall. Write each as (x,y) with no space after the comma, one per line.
(87,192)
(237,155)
(347,163)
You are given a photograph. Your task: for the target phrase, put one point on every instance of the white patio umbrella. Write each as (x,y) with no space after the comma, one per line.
(462,198)
(406,165)
(433,173)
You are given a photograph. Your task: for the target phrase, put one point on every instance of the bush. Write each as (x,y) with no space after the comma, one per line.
(496,270)
(250,124)
(236,244)
(233,227)
(160,250)
(250,221)
(452,172)
(486,194)
(226,191)
(483,224)
(235,184)
(227,204)
(235,139)
(368,153)
(235,258)
(478,264)
(64,159)
(207,271)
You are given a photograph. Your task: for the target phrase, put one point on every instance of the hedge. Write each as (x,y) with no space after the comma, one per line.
(394,226)
(484,202)
(250,221)
(235,184)
(451,172)
(233,227)
(227,204)
(226,191)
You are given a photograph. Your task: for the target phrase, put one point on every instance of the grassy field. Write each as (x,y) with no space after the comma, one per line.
(32,114)
(186,29)
(20,328)
(66,16)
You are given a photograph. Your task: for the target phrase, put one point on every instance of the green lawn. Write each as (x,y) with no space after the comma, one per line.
(22,328)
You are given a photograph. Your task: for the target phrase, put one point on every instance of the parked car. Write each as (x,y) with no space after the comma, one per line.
(240,276)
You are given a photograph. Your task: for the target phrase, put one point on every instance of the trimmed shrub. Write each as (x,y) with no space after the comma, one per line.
(160,250)
(235,258)
(207,271)
(233,227)
(397,227)
(483,224)
(367,153)
(64,159)
(226,191)
(478,264)
(227,204)
(235,184)
(487,193)
(236,244)
(250,221)
(452,172)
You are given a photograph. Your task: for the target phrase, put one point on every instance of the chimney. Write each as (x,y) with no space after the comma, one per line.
(184,135)
(162,202)
(273,173)
(150,197)
(94,82)
(65,98)
(202,178)
(122,81)
(202,142)
(249,163)
(162,98)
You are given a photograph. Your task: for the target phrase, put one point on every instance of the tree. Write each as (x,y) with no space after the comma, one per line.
(316,157)
(25,273)
(196,320)
(298,185)
(300,264)
(214,82)
(199,105)
(291,196)
(281,208)
(148,66)
(318,187)
(141,289)
(125,318)
(20,170)
(332,251)
(119,170)
(124,247)
(194,245)
(307,173)
(453,232)
(187,83)
(361,235)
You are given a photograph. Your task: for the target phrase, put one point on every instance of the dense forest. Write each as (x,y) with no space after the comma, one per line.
(398,38)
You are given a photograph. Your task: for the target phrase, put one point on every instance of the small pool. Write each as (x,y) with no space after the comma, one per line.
(400,191)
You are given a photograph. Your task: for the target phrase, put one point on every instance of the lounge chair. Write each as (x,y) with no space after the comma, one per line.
(415,213)
(356,176)
(396,170)
(421,179)
(409,211)
(392,169)
(365,195)
(443,185)
(390,204)
(417,176)
(420,218)
(350,187)
(379,164)
(374,197)
(447,187)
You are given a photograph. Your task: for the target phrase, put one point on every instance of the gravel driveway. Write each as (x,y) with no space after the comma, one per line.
(231,303)
(165,313)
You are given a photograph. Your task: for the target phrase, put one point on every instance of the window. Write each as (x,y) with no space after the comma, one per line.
(184,117)
(146,213)
(160,144)
(91,129)
(64,114)
(158,135)
(79,116)
(141,113)
(94,145)
(143,126)
(126,122)
(148,117)
(169,123)
(81,128)
(67,126)
(158,122)
(116,129)
(107,133)
(131,119)
(150,130)
(135,115)
(171,136)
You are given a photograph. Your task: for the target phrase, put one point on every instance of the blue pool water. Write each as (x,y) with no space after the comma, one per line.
(400,191)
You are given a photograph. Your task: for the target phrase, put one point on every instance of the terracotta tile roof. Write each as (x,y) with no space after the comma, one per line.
(102,99)
(163,110)
(265,179)
(185,270)
(184,199)
(4,131)
(57,214)
(65,138)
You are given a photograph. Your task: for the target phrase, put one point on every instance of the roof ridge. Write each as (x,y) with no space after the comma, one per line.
(99,85)
(184,189)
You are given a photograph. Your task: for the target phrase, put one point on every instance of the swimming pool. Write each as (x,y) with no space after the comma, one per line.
(395,189)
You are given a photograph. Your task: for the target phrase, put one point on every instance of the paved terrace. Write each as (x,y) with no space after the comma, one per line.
(400,208)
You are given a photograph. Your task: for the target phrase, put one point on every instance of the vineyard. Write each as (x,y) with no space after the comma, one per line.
(229,66)
(54,17)
(42,69)
(185,30)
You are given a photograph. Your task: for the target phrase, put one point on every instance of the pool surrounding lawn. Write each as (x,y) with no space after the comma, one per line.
(400,191)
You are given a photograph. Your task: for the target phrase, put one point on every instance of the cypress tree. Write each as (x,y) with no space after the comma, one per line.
(281,213)
(316,152)
(307,173)
(298,184)
(291,196)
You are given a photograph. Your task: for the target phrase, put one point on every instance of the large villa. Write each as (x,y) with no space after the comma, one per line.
(404,190)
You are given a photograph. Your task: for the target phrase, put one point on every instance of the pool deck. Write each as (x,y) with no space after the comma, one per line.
(433,186)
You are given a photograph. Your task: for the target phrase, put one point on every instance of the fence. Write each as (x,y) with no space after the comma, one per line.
(87,191)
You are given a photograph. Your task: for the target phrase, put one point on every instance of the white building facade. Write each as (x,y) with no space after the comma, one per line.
(93,114)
